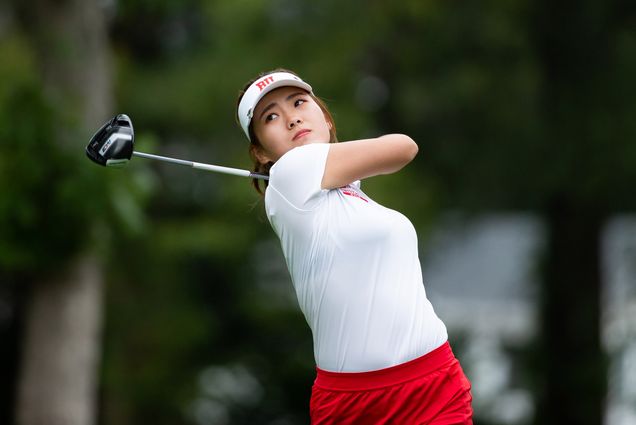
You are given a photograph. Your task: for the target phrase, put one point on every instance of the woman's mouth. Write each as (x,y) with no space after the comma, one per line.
(300,134)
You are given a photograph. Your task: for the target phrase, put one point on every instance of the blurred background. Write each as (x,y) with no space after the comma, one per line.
(158,294)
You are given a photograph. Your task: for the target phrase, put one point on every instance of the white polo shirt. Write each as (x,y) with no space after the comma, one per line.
(355,268)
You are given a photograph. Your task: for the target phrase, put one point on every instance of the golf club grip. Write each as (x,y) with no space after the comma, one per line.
(202,166)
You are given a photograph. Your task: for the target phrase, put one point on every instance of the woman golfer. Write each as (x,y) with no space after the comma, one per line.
(382,354)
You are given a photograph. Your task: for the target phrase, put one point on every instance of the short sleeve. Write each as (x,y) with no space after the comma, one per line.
(297,175)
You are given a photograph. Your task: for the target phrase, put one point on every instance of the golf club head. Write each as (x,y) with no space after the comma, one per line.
(112,145)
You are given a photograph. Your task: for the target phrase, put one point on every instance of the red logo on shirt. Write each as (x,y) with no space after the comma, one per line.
(350,190)
(265,82)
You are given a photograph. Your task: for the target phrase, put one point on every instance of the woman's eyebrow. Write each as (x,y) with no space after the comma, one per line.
(271,105)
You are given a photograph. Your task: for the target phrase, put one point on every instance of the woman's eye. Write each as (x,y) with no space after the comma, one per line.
(299,102)
(270,117)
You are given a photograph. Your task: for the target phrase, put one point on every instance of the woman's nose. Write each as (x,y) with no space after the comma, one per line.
(293,123)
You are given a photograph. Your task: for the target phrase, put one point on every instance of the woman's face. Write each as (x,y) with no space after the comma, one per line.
(286,118)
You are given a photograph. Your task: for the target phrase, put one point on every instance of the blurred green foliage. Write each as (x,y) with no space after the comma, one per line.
(54,203)
(46,207)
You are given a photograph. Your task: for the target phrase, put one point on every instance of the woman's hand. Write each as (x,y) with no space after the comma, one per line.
(359,159)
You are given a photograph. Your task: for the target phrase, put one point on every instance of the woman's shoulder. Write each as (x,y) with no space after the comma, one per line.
(300,152)
(302,156)
(297,175)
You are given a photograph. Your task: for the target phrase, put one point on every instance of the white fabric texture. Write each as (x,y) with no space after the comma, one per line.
(354,265)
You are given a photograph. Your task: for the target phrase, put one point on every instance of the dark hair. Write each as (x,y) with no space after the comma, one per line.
(256,144)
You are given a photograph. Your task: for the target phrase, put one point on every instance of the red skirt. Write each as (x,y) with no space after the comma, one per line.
(431,389)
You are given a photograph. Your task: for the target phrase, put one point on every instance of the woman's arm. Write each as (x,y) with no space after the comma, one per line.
(359,159)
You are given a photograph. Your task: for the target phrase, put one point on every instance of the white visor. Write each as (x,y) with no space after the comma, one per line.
(260,88)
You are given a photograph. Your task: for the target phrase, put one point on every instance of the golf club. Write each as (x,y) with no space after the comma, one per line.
(112,146)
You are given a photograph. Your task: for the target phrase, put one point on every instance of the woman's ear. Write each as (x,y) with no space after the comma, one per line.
(260,154)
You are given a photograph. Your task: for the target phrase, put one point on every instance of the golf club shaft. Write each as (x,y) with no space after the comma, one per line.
(201,166)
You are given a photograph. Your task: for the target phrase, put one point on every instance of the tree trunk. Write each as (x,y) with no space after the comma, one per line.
(60,354)
(71,41)
(61,342)
(571,40)
(574,366)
